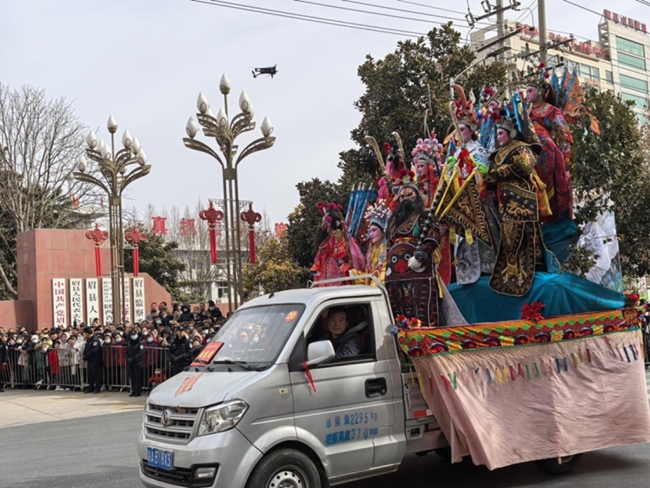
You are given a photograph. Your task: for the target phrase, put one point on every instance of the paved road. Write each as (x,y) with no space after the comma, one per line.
(77,450)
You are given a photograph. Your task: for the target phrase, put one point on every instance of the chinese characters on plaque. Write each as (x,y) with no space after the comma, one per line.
(92,300)
(98,303)
(107,300)
(127,300)
(76,300)
(139,310)
(59,303)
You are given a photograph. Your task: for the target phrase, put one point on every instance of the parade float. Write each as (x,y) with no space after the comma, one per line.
(517,358)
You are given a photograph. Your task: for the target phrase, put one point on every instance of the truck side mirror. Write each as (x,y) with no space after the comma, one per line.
(319,352)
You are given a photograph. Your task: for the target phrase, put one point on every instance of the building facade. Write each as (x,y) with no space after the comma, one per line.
(618,61)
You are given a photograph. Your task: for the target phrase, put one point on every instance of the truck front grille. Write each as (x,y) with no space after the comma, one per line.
(178,425)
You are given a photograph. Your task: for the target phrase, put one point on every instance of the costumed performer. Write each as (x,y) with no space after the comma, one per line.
(428,167)
(464,203)
(336,252)
(520,243)
(413,236)
(556,139)
(377,217)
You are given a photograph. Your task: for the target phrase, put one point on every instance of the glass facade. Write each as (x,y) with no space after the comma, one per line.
(630,47)
(634,84)
(631,61)
(609,77)
(589,72)
(640,102)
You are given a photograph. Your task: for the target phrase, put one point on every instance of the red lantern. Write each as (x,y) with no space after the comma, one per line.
(213,217)
(99,237)
(134,237)
(251,218)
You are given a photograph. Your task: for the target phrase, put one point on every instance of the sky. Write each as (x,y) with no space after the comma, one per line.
(145,62)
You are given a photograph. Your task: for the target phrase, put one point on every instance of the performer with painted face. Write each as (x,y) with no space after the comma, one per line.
(520,244)
(556,139)
(411,241)
(428,167)
(377,217)
(337,254)
(464,203)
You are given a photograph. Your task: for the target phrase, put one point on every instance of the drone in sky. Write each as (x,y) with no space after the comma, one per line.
(272,71)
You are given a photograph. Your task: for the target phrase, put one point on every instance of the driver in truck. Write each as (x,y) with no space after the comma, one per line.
(346,343)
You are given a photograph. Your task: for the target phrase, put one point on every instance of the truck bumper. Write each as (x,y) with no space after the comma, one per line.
(230,453)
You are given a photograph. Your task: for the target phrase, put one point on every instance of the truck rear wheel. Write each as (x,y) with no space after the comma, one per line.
(559,466)
(285,468)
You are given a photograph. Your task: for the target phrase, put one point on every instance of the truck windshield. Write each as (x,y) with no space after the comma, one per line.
(257,335)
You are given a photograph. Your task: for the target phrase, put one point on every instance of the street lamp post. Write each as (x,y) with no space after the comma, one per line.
(225,130)
(118,169)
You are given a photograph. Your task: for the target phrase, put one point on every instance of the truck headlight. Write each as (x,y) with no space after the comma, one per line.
(222,417)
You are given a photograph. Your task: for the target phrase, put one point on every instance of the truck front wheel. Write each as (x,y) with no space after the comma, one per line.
(285,468)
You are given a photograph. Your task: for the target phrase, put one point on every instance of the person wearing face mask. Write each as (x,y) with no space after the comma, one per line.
(150,356)
(93,358)
(180,351)
(134,352)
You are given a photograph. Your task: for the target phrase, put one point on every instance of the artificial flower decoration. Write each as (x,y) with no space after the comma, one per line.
(532,311)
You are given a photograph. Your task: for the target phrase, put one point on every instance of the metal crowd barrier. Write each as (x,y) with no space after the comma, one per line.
(64,368)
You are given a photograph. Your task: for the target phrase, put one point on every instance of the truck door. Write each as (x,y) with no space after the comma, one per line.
(348,402)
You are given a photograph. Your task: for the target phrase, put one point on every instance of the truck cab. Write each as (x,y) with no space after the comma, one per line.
(277,406)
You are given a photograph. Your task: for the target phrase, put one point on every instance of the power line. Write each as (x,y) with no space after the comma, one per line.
(310,18)
(599,14)
(392,16)
(403,10)
(434,8)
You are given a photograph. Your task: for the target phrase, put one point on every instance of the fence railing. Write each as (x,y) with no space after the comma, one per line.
(64,368)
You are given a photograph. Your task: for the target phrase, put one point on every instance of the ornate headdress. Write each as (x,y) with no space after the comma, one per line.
(332,215)
(404,179)
(539,78)
(379,215)
(464,109)
(508,124)
(427,149)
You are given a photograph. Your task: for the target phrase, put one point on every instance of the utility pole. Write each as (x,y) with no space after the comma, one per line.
(501,27)
(541,13)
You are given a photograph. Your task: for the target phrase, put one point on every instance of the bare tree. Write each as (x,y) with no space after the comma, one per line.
(40,140)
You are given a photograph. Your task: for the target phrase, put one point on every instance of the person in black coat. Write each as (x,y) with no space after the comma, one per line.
(93,358)
(186,314)
(180,351)
(134,350)
(214,311)
(4,362)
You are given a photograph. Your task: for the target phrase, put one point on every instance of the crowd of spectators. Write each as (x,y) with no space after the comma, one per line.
(95,357)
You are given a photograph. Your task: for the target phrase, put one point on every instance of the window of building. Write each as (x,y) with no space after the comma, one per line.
(609,76)
(631,61)
(630,47)
(639,102)
(634,84)
(589,72)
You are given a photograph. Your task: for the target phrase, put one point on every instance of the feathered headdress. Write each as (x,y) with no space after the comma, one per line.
(379,215)
(464,109)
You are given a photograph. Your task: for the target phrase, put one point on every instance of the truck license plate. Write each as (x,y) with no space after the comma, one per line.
(160,459)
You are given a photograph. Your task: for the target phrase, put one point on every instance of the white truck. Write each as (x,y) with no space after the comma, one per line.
(268,405)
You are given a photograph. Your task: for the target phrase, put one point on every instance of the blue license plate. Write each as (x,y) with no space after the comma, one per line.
(160,459)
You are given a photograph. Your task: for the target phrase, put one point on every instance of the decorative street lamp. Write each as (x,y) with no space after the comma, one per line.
(118,169)
(225,130)
(98,236)
(251,217)
(134,238)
